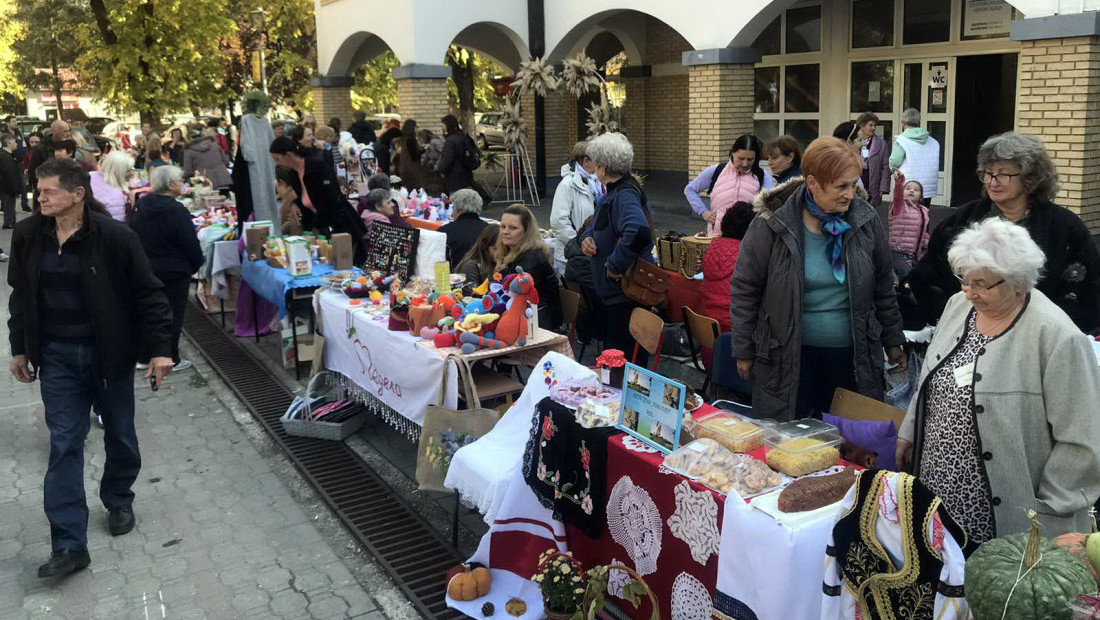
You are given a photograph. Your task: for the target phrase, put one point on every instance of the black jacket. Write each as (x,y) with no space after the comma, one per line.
(452,164)
(165,229)
(537,263)
(362,132)
(382,148)
(10,184)
(462,234)
(125,301)
(334,214)
(1071,275)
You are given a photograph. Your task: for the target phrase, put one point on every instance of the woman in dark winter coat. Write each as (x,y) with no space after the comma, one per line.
(407,162)
(168,236)
(391,133)
(876,158)
(813,291)
(453,163)
(1019,184)
(205,157)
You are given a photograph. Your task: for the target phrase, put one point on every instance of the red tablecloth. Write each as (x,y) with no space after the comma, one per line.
(682,292)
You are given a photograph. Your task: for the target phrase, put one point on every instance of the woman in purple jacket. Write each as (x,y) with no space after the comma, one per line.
(876,158)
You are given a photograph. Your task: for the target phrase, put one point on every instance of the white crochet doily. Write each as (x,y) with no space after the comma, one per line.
(696,522)
(617,580)
(635,524)
(690,599)
(636,445)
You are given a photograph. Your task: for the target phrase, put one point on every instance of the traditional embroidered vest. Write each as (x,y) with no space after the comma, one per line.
(883,591)
(922,163)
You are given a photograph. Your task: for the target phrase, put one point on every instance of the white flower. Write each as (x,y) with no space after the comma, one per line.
(557,578)
(565,569)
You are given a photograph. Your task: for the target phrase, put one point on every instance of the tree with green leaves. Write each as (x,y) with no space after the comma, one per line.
(154,57)
(374,89)
(11,87)
(45,41)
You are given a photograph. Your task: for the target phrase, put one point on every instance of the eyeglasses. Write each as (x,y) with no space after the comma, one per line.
(979,288)
(999,179)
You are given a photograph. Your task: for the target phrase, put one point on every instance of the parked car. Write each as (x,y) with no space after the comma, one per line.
(28,124)
(489,130)
(96,124)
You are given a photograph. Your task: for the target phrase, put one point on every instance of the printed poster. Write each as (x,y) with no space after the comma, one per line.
(652,408)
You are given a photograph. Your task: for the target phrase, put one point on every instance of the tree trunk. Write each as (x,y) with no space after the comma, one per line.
(462,72)
(57,89)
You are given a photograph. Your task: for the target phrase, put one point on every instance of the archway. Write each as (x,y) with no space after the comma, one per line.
(356,50)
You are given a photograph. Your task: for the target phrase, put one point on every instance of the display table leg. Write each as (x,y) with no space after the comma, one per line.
(294,336)
(255,318)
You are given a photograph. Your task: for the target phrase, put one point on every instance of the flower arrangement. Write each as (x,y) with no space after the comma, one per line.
(561,581)
(579,75)
(536,75)
(512,123)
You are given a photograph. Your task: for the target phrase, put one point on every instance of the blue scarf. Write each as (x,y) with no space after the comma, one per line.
(593,183)
(833,226)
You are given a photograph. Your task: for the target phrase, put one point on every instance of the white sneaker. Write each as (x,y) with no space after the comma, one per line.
(3,257)
(141,366)
(183,365)
(99,421)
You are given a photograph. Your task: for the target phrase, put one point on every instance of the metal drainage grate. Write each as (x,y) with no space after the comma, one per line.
(411,551)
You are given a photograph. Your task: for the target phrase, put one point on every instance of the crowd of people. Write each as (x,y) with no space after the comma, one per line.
(813,286)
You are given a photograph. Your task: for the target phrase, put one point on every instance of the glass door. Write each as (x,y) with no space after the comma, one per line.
(927,85)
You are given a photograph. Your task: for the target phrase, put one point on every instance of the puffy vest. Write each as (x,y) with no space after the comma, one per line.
(922,163)
(907,228)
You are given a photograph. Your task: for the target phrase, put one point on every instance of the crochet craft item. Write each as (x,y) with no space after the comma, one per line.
(635,445)
(696,522)
(565,464)
(690,599)
(635,523)
(617,579)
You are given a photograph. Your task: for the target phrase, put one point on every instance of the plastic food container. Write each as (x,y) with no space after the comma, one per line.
(1086,607)
(802,447)
(736,432)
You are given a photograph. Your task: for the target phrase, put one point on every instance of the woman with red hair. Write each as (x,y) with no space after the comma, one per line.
(813,291)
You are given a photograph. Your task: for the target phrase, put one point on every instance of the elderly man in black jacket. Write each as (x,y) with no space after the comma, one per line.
(84,304)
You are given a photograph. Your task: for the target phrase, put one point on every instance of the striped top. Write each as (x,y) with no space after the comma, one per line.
(64,309)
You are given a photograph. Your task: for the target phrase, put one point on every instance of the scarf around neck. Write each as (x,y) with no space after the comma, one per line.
(833,226)
(593,183)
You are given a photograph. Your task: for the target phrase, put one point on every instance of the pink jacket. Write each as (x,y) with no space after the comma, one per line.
(908,223)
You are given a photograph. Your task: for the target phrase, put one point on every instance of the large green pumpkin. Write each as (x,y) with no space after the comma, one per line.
(1056,576)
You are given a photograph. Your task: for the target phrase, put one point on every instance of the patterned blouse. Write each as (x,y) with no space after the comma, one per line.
(951,463)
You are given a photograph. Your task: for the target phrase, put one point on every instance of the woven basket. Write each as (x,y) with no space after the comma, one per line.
(692,250)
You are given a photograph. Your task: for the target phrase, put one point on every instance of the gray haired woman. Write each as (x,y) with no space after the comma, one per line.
(463,232)
(1019,183)
(1005,420)
(168,236)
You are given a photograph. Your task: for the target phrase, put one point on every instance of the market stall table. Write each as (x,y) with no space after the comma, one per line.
(396,373)
(276,286)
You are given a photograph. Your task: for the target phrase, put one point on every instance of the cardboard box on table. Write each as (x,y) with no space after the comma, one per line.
(255,237)
(343,249)
(299,257)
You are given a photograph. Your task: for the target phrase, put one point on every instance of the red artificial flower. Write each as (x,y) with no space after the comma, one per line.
(548,428)
(586,458)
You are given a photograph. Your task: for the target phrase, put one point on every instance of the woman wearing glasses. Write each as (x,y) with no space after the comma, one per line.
(1005,417)
(1019,183)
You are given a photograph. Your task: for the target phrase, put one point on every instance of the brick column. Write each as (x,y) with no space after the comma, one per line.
(332,97)
(1059,102)
(422,94)
(720,102)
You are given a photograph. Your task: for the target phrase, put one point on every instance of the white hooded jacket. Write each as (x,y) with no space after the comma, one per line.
(573,204)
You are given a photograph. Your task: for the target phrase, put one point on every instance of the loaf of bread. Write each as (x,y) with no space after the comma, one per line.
(798,457)
(816,491)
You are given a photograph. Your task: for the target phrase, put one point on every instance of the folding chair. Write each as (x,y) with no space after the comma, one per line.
(648,331)
(702,331)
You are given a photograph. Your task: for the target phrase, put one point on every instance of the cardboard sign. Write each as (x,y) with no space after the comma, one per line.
(343,250)
(652,408)
(254,239)
(443,277)
(392,250)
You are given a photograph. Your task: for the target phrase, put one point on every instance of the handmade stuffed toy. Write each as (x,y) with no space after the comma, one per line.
(512,327)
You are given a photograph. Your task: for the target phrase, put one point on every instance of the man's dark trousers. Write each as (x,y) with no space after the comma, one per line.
(71,383)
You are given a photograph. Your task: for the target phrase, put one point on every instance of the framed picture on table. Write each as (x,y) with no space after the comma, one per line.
(652,408)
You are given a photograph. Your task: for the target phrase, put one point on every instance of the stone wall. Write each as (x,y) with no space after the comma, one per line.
(424,100)
(1059,86)
(720,109)
(330,101)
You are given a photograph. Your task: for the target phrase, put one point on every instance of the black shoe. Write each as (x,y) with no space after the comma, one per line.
(9,226)
(120,520)
(64,562)
(26,208)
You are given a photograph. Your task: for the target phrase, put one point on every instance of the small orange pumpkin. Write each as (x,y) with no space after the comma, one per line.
(469,583)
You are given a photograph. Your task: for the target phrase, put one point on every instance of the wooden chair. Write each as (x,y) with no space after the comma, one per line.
(852,406)
(570,309)
(702,331)
(648,331)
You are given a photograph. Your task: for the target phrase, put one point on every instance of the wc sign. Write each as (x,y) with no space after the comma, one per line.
(938,78)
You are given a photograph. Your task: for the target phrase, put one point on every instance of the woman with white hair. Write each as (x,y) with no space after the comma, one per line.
(165,229)
(462,233)
(621,233)
(1005,420)
(1019,184)
(111,183)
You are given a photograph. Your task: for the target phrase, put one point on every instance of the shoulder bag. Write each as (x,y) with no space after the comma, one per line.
(645,283)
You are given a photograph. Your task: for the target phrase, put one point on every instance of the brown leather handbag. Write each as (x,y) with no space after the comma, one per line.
(645,283)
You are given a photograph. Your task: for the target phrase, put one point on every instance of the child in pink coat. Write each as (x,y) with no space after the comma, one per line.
(908,225)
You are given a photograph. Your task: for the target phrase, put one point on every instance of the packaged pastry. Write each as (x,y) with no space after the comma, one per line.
(697,458)
(813,492)
(736,432)
(573,392)
(591,413)
(802,447)
(716,467)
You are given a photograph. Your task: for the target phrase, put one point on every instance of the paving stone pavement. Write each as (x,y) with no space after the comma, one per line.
(225,527)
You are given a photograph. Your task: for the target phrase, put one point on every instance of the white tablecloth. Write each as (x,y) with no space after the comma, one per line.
(226,261)
(402,371)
